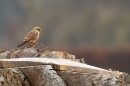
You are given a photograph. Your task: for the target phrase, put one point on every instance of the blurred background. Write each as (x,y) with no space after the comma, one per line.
(97,30)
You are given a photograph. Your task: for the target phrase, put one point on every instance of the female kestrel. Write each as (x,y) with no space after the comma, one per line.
(31,37)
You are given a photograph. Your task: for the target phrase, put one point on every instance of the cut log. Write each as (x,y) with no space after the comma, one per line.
(53,68)
(74,73)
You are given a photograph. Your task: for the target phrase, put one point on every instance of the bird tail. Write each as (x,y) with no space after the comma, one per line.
(24,42)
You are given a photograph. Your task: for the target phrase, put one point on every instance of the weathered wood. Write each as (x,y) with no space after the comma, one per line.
(30,76)
(68,65)
(42,76)
(13,77)
(59,67)
(90,79)
(45,68)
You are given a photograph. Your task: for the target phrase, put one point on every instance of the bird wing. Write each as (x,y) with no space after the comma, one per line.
(31,35)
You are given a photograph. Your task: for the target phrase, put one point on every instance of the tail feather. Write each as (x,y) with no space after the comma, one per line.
(24,42)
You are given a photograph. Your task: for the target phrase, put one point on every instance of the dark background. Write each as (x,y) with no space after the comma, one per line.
(97,30)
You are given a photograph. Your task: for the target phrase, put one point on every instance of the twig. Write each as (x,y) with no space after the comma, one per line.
(41,44)
(3,47)
(12,52)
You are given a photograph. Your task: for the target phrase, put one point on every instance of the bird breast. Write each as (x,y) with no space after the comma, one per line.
(37,35)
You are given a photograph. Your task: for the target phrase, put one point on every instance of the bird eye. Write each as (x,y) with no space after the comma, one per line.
(38,29)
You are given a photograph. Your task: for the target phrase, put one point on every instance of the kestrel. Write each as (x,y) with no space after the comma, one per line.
(31,37)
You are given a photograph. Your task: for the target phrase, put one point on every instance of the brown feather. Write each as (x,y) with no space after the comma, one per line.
(31,36)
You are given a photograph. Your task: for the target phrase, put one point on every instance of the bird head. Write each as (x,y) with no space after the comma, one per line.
(37,28)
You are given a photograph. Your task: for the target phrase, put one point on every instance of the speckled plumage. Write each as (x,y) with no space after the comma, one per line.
(31,36)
